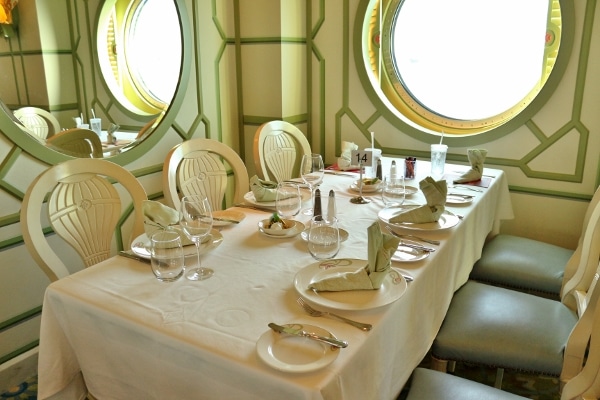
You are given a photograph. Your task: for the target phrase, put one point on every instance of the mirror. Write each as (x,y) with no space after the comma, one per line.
(58,62)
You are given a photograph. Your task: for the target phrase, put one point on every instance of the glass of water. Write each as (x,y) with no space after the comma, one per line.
(166,256)
(288,201)
(393,192)
(323,238)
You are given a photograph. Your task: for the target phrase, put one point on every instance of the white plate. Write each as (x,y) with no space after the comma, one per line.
(141,245)
(296,229)
(227,214)
(250,199)
(447,219)
(296,354)
(409,254)
(366,188)
(343,235)
(410,190)
(458,200)
(392,289)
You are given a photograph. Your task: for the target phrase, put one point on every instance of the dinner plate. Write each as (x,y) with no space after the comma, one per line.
(250,199)
(141,245)
(296,229)
(366,188)
(227,215)
(447,219)
(409,254)
(343,235)
(392,289)
(296,354)
(458,200)
(410,190)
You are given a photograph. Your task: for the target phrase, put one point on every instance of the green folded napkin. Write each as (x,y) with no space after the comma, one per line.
(158,216)
(476,158)
(435,194)
(381,249)
(263,190)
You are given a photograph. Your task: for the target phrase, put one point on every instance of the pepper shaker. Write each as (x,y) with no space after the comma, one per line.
(317,213)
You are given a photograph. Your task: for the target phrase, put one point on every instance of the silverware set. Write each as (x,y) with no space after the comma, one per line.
(316,313)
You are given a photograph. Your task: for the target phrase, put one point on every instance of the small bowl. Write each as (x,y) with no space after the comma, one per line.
(366,187)
(276,231)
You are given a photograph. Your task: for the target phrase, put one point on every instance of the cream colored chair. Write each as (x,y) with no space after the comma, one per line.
(529,265)
(39,121)
(82,207)
(196,167)
(278,150)
(77,142)
(503,328)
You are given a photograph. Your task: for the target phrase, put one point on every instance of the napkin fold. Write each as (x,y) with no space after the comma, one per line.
(380,251)
(345,158)
(435,195)
(263,190)
(476,158)
(158,216)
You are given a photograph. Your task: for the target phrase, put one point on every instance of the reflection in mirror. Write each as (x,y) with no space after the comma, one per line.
(53,64)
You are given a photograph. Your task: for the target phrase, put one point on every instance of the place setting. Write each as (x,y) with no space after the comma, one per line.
(288,203)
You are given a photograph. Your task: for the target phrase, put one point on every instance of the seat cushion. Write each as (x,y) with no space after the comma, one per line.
(522,263)
(498,327)
(427,384)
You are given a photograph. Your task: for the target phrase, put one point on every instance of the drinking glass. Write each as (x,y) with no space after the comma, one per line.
(288,201)
(166,256)
(312,170)
(438,159)
(393,192)
(196,221)
(323,238)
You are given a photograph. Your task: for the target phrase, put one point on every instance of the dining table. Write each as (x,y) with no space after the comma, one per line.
(117,332)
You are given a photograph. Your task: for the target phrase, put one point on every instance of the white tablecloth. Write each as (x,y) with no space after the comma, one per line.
(133,337)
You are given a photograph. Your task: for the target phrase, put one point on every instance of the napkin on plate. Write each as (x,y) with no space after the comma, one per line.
(263,190)
(381,249)
(158,216)
(345,158)
(476,158)
(435,194)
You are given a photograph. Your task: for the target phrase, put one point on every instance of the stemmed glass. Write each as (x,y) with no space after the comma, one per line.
(312,170)
(196,221)
(288,201)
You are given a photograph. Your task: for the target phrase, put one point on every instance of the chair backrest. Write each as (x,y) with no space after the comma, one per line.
(77,142)
(148,128)
(196,167)
(586,385)
(83,208)
(39,121)
(278,150)
(581,267)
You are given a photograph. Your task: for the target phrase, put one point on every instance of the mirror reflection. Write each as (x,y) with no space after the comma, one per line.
(111,68)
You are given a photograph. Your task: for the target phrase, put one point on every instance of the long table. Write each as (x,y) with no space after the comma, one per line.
(114,330)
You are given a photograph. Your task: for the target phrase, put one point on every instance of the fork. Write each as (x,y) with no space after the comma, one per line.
(430,241)
(316,313)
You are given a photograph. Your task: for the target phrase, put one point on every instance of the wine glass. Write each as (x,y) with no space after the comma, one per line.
(311,171)
(196,222)
(288,201)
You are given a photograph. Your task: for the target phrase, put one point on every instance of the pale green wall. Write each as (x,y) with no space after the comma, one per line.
(257,60)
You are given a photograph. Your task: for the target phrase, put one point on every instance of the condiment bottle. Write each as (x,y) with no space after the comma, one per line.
(331,206)
(317,213)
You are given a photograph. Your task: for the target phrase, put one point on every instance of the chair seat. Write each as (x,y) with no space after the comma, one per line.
(501,328)
(427,384)
(523,264)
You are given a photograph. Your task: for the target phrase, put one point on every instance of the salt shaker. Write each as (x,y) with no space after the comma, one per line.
(331,206)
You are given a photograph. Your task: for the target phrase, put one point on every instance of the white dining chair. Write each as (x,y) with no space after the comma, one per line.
(278,150)
(83,207)
(202,166)
(530,265)
(77,142)
(503,328)
(39,121)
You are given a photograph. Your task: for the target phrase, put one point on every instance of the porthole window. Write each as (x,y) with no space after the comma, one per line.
(139,51)
(462,67)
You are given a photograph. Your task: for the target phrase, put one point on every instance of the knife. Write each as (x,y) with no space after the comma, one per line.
(417,246)
(309,335)
(265,209)
(221,219)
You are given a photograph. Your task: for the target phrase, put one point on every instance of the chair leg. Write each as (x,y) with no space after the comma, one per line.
(451,366)
(499,377)
(439,365)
